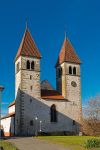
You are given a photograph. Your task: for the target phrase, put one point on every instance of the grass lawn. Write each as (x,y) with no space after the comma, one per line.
(6,145)
(72,142)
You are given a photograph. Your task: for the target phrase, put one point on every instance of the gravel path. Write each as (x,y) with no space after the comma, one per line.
(30,143)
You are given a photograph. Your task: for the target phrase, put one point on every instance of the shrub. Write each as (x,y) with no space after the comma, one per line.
(91,143)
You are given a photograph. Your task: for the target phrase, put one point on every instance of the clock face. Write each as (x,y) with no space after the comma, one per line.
(74,84)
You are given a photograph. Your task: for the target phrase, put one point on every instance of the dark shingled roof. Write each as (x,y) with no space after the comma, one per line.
(45,85)
(67,54)
(28,47)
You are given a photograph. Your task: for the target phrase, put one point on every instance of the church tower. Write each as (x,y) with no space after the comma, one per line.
(68,78)
(27,79)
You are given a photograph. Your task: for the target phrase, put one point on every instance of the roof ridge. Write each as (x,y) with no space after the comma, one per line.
(28,46)
(67,53)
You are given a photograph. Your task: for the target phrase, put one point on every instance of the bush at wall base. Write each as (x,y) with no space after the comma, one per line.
(92,143)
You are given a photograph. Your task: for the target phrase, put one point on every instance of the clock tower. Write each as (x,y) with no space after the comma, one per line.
(68,79)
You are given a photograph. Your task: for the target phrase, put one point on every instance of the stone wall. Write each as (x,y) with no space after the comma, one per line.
(71,93)
(27,82)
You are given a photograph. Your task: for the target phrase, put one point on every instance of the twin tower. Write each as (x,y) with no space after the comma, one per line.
(27,66)
(27,76)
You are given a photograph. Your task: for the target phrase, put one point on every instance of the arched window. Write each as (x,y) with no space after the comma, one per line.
(74,70)
(53,113)
(32,65)
(28,64)
(74,122)
(70,70)
(60,72)
(17,67)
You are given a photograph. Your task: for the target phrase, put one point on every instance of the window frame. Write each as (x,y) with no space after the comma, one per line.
(32,65)
(17,67)
(74,70)
(31,122)
(28,65)
(53,114)
(70,69)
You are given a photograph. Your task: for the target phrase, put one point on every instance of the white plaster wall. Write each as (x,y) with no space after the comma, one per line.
(8,123)
(11,109)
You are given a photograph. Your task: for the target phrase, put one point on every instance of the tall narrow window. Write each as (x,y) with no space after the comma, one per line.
(30,100)
(70,70)
(32,65)
(30,77)
(60,72)
(28,64)
(17,69)
(74,70)
(73,122)
(31,123)
(53,113)
(31,88)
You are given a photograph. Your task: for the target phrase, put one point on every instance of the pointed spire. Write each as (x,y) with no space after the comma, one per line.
(67,53)
(28,46)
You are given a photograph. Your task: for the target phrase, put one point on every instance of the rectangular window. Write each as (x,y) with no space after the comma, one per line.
(30,77)
(31,87)
(31,123)
(73,122)
(30,100)
(17,69)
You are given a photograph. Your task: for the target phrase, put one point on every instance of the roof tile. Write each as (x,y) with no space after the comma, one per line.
(52,95)
(67,54)
(28,47)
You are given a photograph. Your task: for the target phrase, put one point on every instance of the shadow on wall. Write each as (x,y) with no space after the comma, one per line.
(33,116)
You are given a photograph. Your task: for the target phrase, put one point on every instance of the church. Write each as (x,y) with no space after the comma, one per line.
(38,107)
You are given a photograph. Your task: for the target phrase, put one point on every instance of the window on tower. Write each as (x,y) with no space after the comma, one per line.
(30,77)
(60,72)
(32,65)
(53,113)
(31,88)
(70,70)
(28,64)
(17,67)
(74,70)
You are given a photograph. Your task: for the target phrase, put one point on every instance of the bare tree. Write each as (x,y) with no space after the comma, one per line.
(91,117)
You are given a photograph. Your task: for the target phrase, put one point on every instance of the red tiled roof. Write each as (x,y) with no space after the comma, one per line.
(51,94)
(28,47)
(67,54)
(11,104)
(9,115)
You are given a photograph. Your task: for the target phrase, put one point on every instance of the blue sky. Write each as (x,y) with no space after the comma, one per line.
(48,20)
